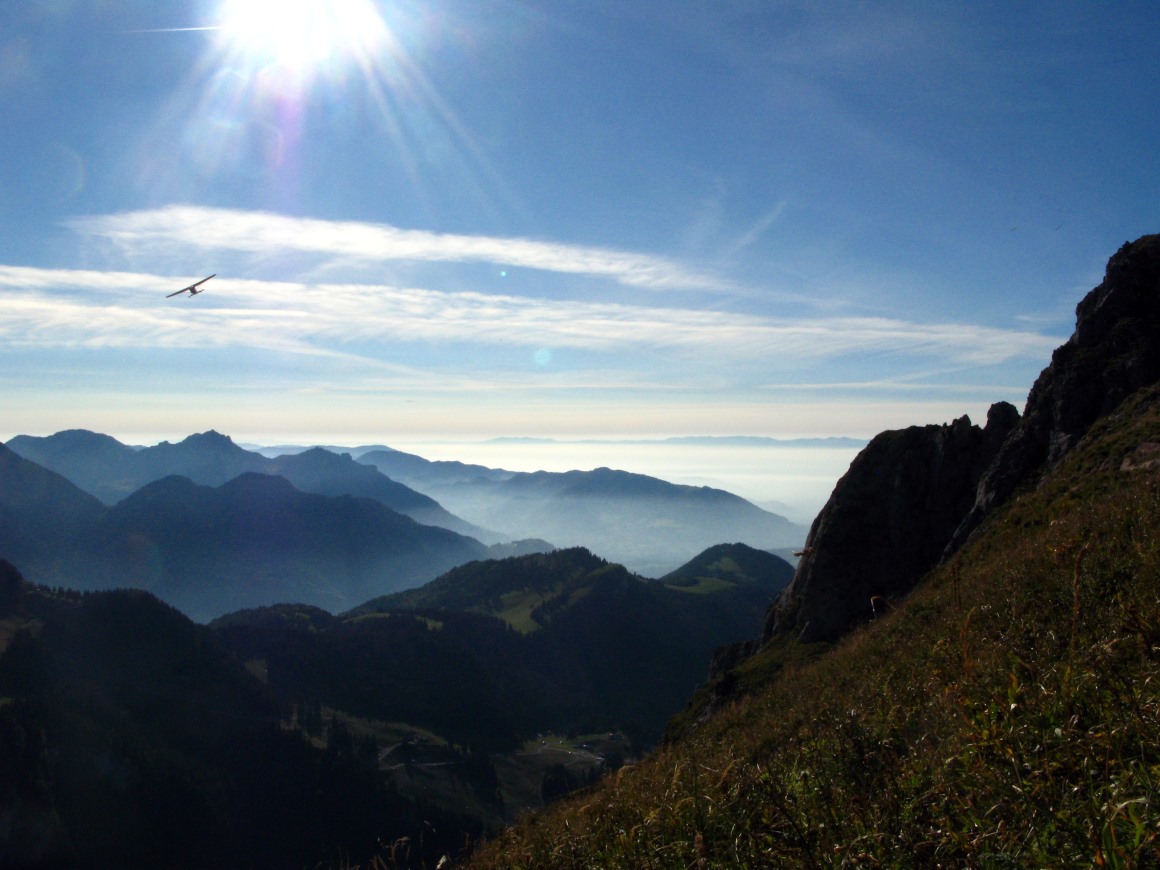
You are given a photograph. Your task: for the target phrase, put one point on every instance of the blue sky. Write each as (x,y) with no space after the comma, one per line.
(566,219)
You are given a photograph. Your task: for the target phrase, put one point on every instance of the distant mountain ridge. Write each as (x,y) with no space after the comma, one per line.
(208,550)
(649,525)
(102,466)
(168,534)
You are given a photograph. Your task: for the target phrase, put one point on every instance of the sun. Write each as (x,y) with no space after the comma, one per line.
(304,38)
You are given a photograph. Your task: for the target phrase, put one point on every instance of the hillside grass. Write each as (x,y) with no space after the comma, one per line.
(1006,714)
(427,621)
(702,586)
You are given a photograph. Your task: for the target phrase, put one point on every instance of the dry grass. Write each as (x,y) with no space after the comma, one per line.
(1007,715)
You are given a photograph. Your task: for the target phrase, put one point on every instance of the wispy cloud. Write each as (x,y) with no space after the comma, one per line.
(267,233)
(888,386)
(85,308)
(757,229)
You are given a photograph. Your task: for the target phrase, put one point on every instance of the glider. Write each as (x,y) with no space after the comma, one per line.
(192,288)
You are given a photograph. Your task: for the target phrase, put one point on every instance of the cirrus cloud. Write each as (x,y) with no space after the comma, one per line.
(267,233)
(58,307)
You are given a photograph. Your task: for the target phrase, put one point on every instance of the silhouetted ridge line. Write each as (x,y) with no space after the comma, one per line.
(912,497)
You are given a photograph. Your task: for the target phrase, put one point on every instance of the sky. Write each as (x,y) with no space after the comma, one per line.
(573,220)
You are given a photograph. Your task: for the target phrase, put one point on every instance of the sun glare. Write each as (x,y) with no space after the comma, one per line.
(275,71)
(305,37)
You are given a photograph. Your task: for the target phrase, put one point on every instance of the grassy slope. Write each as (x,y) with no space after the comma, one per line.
(1007,715)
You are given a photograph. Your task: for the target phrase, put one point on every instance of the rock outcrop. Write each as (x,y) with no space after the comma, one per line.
(1114,351)
(887,523)
(914,496)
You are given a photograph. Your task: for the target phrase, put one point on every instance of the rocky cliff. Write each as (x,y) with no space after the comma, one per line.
(1114,351)
(887,522)
(914,496)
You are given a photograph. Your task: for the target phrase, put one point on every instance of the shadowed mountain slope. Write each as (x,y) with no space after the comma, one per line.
(887,523)
(129,737)
(498,650)
(208,550)
(43,517)
(257,540)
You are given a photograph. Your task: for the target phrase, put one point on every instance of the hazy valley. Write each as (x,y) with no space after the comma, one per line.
(210,528)
(471,681)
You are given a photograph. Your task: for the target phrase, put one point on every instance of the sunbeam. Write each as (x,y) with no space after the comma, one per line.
(278,79)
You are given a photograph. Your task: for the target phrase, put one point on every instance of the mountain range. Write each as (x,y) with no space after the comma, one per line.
(267,549)
(208,550)
(649,525)
(110,470)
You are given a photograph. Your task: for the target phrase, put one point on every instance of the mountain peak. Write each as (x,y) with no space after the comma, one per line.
(1128,292)
(83,436)
(913,497)
(1114,351)
(210,439)
(886,523)
(67,441)
(323,458)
